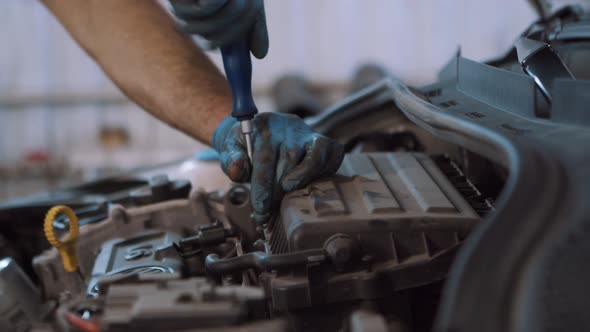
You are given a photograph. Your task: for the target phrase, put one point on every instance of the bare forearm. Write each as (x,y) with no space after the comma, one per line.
(137,45)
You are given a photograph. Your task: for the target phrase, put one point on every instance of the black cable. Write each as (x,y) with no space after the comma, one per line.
(262,261)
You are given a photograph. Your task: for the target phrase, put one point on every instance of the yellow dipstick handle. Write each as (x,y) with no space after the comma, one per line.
(67,247)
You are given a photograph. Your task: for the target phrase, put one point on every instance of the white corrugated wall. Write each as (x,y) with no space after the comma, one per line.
(324,39)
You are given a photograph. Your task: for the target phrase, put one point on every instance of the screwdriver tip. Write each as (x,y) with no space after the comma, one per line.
(248,145)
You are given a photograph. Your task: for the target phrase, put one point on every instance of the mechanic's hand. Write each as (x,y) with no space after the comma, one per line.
(287,156)
(224,21)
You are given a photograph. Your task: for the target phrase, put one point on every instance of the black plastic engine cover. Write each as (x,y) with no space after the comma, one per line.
(395,203)
(405,215)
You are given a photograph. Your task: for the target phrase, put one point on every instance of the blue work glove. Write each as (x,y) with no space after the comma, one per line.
(225,21)
(287,156)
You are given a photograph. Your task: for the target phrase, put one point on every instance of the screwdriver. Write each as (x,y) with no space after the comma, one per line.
(238,69)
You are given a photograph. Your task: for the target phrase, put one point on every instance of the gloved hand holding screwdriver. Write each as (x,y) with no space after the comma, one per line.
(286,155)
(140,47)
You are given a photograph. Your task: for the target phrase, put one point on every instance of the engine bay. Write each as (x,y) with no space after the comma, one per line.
(380,234)
(366,249)
(462,168)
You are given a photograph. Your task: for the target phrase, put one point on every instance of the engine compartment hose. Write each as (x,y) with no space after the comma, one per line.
(261,260)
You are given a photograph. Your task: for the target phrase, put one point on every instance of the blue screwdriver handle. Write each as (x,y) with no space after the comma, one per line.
(238,69)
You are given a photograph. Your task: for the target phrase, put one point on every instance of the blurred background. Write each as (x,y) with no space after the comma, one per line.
(62,121)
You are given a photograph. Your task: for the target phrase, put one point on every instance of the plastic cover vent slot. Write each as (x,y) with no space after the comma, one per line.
(278,238)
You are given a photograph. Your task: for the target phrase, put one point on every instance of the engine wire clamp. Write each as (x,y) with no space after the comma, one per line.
(67,247)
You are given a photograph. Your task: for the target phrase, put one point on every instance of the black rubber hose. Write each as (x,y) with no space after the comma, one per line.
(261,261)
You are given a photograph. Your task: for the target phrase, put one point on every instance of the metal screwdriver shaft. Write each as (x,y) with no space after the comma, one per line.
(246,126)
(238,69)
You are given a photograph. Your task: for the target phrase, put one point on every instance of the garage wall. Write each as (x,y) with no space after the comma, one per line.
(323,39)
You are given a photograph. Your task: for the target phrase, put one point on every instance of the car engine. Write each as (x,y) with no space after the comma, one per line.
(352,245)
